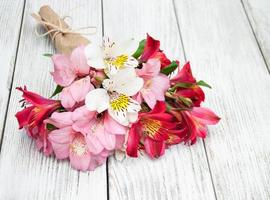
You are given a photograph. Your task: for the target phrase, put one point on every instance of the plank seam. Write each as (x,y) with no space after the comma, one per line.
(254,34)
(12,76)
(179,31)
(209,167)
(183,47)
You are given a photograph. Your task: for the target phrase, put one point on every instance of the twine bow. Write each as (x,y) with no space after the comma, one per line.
(56,29)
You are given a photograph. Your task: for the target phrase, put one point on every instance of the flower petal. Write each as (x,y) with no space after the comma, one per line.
(93,143)
(60,140)
(94,56)
(80,88)
(133,141)
(154,148)
(64,71)
(204,115)
(97,99)
(151,47)
(112,126)
(22,116)
(78,58)
(149,69)
(60,120)
(66,98)
(124,82)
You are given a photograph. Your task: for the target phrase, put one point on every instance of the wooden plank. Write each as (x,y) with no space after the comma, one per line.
(258,14)
(219,42)
(24,172)
(10,23)
(183,172)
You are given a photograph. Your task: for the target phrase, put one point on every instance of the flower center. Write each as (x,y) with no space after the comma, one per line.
(78,146)
(119,61)
(119,102)
(150,127)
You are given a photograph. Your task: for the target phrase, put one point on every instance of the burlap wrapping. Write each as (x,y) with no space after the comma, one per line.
(63,42)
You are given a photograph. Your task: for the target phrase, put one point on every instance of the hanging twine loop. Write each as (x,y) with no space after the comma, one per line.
(60,29)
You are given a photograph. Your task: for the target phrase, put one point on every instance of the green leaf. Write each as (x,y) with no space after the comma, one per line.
(181,85)
(50,127)
(204,84)
(170,68)
(57,90)
(139,50)
(47,54)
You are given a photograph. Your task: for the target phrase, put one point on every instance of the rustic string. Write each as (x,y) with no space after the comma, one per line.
(56,29)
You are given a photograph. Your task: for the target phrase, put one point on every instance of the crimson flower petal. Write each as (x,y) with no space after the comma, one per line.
(133,141)
(151,47)
(154,148)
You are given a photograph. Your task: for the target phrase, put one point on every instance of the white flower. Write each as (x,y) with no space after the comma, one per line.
(115,96)
(112,56)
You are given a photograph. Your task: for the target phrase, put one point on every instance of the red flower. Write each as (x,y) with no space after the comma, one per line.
(186,86)
(150,48)
(31,118)
(152,132)
(193,123)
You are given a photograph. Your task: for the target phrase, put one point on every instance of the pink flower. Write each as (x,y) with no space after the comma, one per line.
(76,92)
(68,68)
(32,117)
(194,122)
(155,83)
(84,137)
(72,73)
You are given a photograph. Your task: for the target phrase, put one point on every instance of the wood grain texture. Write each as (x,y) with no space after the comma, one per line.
(221,46)
(25,173)
(183,173)
(258,12)
(10,28)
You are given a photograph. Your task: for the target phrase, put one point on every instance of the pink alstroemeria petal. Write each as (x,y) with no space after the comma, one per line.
(80,88)
(78,58)
(60,140)
(64,72)
(113,126)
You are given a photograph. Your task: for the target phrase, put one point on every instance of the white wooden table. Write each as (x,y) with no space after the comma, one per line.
(228,44)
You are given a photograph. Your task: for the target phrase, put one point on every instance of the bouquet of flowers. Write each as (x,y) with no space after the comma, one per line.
(124,96)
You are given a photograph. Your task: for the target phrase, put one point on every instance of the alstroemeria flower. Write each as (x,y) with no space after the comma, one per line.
(193,92)
(112,56)
(193,123)
(115,96)
(84,137)
(155,83)
(68,68)
(32,117)
(152,132)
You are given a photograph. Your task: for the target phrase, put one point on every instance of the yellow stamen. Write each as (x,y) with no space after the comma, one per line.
(151,127)
(119,61)
(120,102)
